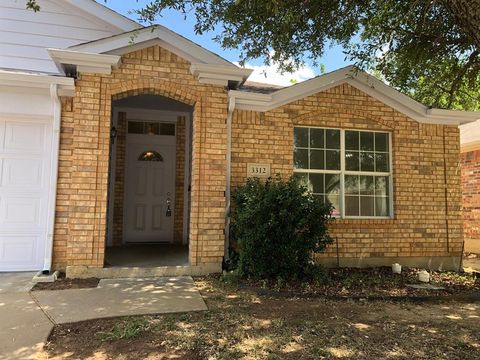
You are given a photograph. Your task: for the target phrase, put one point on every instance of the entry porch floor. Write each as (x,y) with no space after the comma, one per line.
(146,255)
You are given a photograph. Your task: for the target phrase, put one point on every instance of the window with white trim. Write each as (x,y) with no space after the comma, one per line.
(348,168)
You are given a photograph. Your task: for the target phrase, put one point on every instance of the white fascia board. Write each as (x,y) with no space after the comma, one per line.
(86,62)
(219,74)
(362,81)
(106,14)
(139,39)
(66,86)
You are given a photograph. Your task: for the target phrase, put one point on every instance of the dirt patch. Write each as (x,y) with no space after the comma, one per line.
(63,283)
(82,340)
(243,325)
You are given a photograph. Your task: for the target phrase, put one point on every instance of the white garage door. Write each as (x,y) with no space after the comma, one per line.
(25,148)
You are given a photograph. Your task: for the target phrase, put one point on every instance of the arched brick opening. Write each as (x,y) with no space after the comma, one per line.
(169,90)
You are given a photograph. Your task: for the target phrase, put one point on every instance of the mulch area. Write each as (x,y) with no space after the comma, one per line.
(62,283)
(371,283)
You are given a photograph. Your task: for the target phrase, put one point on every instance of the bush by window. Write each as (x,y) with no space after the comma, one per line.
(277,227)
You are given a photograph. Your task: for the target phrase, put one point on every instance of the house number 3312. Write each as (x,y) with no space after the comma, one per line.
(258,170)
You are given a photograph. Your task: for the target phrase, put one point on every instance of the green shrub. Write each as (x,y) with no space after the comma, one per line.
(277,226)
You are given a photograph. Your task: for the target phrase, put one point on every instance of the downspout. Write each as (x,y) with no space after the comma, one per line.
(57,111)
(231,108)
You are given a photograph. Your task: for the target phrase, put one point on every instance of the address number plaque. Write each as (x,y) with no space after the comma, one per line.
(258,170)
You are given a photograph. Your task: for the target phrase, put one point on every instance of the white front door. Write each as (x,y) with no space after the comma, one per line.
(25,161)
(149,188)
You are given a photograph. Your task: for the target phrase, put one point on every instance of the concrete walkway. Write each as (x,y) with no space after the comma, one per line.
(24,328)
(121,297)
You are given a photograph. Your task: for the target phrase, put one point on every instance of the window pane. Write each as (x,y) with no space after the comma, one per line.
(332,184)
(381,162)
(352,161)
(317,138)
(367,205)
(352,140)
(332,139)
(351,206)
(300,158)
(366,141)
(382,185)
(366,185)
(351,184)
(150,155)
(332,159)
(317,159)
(367,161)
(135,127)
(382,206)
(300,137)
(381,142)
(167,129)
(335,201)
(316,181)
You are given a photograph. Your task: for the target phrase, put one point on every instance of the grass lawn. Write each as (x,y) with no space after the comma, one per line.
(243,325)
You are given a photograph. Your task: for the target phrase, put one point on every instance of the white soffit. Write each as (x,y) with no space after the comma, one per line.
(219,74)
(66,86)
(85,62)
(360,80)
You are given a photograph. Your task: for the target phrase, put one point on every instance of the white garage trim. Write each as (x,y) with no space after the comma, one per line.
(45,109)
(66,86)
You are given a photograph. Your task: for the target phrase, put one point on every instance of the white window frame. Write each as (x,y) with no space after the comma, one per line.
(342,172)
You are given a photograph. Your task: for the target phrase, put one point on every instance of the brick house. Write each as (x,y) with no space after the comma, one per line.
(126,154)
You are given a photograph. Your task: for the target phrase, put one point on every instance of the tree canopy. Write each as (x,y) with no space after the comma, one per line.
(429,49)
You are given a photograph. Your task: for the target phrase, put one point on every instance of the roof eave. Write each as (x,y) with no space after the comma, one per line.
(66,86)
(361,81)
(218,74)
(85,62)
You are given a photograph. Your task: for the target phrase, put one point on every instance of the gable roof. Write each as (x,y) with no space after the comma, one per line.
(153,35)
(360,80)
(100,55)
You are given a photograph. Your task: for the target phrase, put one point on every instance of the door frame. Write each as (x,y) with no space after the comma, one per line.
(151,115)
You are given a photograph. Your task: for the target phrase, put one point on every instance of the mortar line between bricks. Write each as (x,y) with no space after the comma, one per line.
(49,317)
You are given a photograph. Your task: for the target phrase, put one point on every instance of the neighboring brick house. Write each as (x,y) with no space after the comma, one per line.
(143,143)
(470,163)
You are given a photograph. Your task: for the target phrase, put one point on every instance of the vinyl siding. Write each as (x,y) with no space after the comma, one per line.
(25,35)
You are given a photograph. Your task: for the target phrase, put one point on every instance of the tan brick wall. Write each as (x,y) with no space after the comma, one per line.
(119,187)
(85,141)
(471,199)
(62,209)
(422,224)
(179,180)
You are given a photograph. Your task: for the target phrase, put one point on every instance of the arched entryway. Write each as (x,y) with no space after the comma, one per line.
(149,182)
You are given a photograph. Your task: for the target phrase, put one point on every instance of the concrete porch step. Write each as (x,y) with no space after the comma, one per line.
(114,272)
